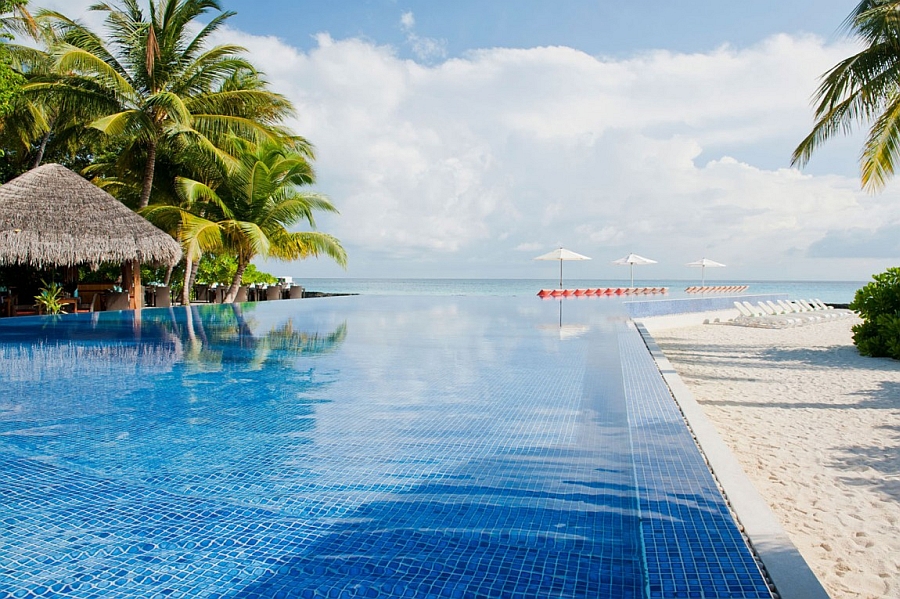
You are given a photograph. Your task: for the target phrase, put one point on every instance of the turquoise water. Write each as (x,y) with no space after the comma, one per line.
(827,291)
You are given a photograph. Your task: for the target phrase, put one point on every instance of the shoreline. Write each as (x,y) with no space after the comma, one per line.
(816,428)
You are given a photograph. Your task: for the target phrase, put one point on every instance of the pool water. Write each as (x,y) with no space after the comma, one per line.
(353,447)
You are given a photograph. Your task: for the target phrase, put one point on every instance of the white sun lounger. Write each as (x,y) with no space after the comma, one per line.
(781,314)
(821,312)
(782,307)
(831,311)
(765,309)
(762,316)
(798,311)
(785,312)
(743,310)
(754,310)
(788,307)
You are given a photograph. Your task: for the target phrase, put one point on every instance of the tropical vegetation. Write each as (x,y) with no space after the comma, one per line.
(878,304)
(14,17)
(187,133)
(248,212)
(862,90)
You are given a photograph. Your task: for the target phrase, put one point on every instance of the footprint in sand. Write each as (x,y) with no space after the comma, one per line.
(840,568)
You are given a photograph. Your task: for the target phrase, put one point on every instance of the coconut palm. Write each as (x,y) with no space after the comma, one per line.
(863,90)
(15,18)
(170,89)
(54,117)
(249,213)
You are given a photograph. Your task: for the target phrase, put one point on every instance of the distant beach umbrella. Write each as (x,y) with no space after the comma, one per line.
(703,263)
(631,260)
(561,254)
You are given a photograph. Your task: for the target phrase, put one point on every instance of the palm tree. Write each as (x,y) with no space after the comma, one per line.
(169,89)
(51,117)
(250,211)
(863,89)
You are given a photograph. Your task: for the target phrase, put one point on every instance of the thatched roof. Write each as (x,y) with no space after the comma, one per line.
(53,216)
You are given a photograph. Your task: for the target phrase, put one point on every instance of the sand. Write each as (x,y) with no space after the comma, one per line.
(816,427)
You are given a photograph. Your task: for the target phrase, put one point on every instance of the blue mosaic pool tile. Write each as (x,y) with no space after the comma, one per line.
(692,545)
(366,448)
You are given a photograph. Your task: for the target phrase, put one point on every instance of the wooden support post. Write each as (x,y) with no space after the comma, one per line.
(131,282)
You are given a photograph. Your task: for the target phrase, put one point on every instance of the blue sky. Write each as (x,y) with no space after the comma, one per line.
(601,27)
(461,139)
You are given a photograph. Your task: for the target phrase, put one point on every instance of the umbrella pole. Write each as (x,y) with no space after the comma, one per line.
(703,275)
(632,275)
(560,273)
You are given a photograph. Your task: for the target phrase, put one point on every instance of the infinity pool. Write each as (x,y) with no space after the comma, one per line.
(353,447)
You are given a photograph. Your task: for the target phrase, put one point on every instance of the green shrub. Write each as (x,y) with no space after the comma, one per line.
(878,304)
(220,268)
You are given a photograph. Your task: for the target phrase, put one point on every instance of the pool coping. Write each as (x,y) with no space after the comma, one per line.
(787,569)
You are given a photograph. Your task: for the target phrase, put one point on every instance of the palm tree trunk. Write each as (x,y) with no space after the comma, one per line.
(186,290)
(195,266)
(235,282)
(41,149)
(168,278)
(243,325)
(191,278)
(148,174)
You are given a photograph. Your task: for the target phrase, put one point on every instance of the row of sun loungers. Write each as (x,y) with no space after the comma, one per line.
(782,314)
(604,291)
(718,289)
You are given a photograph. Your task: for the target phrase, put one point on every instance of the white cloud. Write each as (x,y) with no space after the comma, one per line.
(425,49)
(76,9)
(503,152)
(432,165)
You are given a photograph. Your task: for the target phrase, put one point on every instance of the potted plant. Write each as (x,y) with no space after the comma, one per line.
(47,300)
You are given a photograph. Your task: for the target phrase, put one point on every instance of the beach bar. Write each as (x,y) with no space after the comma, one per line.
(53,217)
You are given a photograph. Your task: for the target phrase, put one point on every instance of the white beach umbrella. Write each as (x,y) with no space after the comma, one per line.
(631,260)
(703,263)
(561,255)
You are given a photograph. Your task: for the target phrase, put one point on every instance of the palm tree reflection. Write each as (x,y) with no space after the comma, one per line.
(212,335)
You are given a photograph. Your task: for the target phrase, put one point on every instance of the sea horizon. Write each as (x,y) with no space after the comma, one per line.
(841,292)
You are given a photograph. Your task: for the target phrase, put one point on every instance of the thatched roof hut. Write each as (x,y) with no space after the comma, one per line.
(51,216)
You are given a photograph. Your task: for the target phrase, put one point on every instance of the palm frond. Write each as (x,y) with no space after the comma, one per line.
(862,90)
(194,192)
(200,234)
(71,58)
(306,244)
(119,123)
(882,148)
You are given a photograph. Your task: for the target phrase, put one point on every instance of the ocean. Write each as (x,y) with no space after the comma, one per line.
(840,292)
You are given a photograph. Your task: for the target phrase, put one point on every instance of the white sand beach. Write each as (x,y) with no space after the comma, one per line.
(816,427)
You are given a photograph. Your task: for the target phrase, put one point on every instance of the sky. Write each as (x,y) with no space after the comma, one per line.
(462,139)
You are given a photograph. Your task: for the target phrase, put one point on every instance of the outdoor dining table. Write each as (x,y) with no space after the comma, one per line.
(69,301)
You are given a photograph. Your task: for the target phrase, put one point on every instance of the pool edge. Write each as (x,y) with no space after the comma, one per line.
(789,573)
